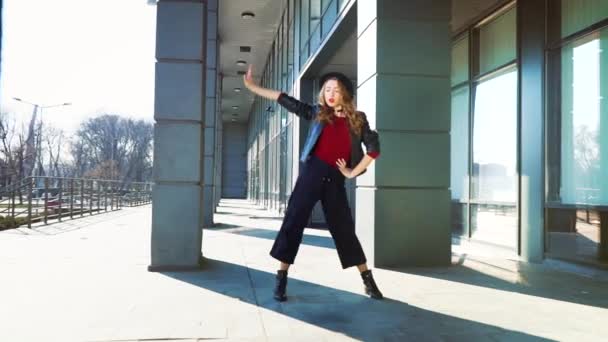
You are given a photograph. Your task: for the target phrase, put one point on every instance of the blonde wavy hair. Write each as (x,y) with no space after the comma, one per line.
(326,113)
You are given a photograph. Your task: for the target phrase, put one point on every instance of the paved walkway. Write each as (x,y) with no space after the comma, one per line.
(86,280)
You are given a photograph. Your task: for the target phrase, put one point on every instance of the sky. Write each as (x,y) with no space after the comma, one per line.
(96,54)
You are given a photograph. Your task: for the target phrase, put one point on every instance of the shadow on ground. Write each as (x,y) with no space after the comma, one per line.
(525,279)
(343,312)
(269,234)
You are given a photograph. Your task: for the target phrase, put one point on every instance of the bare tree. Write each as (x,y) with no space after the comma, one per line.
(54,139)
(12,149)
(112,147)
(586,149)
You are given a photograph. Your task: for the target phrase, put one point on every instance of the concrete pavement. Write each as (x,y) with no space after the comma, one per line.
(87,280)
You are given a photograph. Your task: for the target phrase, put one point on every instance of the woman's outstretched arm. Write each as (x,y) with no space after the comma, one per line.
(293,105)
(270,94)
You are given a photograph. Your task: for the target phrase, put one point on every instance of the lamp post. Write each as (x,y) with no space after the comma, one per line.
(113,162)
(30,150)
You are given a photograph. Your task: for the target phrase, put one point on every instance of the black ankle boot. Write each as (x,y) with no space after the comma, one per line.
(281,286)
(370,285)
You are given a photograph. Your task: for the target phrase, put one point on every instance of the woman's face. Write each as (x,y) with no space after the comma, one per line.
(332,93)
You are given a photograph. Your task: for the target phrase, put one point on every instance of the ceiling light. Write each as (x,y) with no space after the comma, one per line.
(237,90)
(241,62)
(233,120)
(247,15)
(235,107)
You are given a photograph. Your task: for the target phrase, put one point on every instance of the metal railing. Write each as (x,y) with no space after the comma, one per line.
(36,199)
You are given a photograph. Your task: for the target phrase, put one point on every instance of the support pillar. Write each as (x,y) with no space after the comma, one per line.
(211,91)
(531,28)
(179,133)
(403,201)
(219,137)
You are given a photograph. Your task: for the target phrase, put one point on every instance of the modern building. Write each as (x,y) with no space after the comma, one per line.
(492,115)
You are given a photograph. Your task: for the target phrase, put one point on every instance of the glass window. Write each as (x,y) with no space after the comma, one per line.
(304,56)
(315,39)
(460,61)
(460,138)
(494,178)
(342,3)
(329,18)
(315,13)
(279,69)
(290,57)
(276,66)
(576,233)
(304,22)
(497,42)
(324,5)
(290,11)
(315,27)
(584,110)
(579,14)
(284,67)
(459,158)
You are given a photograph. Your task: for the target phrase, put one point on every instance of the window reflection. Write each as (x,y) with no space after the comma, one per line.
(494,178)
(581,164)
(495,223)
(459,136)
(576,233)
(576,217)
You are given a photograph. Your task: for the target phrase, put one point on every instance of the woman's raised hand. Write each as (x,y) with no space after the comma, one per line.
(256,89)
(248,78)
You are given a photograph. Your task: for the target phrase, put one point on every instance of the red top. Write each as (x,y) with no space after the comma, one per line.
(334,143)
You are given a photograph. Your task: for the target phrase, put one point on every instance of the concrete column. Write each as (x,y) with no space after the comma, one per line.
(531,28)
(403,201)
(218,144)
(179,108)
(210,115)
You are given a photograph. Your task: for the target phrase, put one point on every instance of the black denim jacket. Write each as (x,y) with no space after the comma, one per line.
(368,137)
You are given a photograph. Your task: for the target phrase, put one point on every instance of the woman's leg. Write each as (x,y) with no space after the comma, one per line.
(341,225)
(285,248)
(303,198)
(362,267)
(342,228)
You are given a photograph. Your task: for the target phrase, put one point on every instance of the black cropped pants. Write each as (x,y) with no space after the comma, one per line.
(319,181)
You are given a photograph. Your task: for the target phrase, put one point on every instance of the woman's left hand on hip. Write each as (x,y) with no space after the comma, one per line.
(348,173)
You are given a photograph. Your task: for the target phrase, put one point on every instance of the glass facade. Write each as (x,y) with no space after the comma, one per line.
(317,18)
(484,132)
(271,134)
(497,42)
(577,132)
(494,177)
(577,15)
(485,124)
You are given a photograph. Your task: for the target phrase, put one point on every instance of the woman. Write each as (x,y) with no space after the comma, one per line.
(332,148)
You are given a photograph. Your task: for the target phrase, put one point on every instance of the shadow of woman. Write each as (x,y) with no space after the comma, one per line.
(340,311)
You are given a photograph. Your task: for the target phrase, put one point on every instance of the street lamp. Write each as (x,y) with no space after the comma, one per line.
(30,151)
(39,106)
